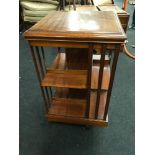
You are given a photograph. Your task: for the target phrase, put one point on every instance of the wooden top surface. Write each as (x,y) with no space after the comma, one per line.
(74,25)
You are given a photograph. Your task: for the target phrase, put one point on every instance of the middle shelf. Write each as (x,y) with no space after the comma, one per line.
(59,76)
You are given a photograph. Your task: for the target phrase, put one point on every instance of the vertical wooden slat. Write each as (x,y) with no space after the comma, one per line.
(90,55)
(45,67)
(110,55)
(42,71)
(40,63)
(39,77)
(101,76)
(50,92)
(47,95)
(114,64)
(44,59)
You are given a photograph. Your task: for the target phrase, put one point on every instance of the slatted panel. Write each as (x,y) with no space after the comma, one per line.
(100,79)
(113,69)
(39,77)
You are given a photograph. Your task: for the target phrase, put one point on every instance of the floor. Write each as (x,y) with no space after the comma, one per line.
(38,137)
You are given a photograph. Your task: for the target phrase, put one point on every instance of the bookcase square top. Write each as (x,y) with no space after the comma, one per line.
(83,25)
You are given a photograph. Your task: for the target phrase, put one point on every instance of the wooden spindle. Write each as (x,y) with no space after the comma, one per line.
(42,71)
(114,64)
(46,90)
(90,55)
(100,80)
(39,77)
(45,67)
(44,59)
(40,63)
(50,93)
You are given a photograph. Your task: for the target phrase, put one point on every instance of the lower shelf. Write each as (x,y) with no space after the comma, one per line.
(68,107)
(72,110)
(74,120)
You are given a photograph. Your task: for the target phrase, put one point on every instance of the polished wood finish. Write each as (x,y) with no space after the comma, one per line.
(64,105)
(67,107)
(79,26)
(77,120)
(75,78)
(100,79)
(75,44)
(77,58)
(58,76)
(89,78)
(99,113)
(122,14)
(114,63)
(77,86)
(59,63)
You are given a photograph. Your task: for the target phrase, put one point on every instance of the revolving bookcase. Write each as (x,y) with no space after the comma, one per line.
(77,85)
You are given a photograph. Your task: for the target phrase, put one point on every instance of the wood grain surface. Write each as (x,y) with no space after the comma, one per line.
(83,25)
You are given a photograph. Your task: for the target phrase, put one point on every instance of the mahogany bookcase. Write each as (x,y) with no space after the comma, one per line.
(77,86)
